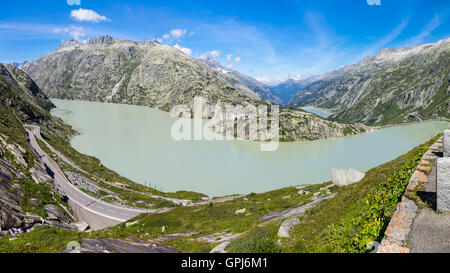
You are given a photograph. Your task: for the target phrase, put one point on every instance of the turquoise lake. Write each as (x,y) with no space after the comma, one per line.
(136,142)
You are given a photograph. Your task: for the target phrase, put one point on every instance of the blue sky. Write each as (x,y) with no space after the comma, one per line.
(264,39)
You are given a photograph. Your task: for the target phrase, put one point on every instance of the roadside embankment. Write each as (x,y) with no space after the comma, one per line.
(398,231)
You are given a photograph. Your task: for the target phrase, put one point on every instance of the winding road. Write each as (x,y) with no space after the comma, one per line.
(97,213)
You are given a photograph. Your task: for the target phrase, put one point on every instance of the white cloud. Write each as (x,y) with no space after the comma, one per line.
(385,40)
(210,55)
(185,50)
(87,15)
(175,34)
(238,60)
(251,41)
(159,40)
(280,79)
(74,2)
(229,57)
(77,33)
(178,33)
(427,30)
(61,30)
(215,53)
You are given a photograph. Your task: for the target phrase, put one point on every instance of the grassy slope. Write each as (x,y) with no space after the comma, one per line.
(314,233)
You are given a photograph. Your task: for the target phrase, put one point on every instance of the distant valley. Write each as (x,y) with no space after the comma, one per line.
(394,86)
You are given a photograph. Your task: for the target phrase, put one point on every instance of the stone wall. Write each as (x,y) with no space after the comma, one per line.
(397,232)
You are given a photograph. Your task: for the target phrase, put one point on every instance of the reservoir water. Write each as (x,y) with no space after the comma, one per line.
(318,111)
(136,142)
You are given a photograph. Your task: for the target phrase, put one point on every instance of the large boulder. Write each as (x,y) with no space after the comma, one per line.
(81,226)
(286,226)
(345,177)
(54,213)
(241,211)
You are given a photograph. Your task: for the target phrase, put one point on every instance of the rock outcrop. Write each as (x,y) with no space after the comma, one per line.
(10,204)
(23,203)
(286,226)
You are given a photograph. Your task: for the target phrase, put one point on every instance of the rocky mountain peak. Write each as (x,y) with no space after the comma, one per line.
(68,45)
(106,39)
(103,41)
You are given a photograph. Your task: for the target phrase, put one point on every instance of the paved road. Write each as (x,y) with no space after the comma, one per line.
(97,213)
(36,131)
(410,123)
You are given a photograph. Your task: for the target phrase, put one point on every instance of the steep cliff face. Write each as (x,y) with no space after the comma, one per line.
(395,86)
(18,90)
(26,189)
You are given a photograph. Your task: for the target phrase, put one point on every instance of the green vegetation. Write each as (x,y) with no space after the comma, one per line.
(358,214)
(354,235)
(258,240)
(42,239)
(212,218)
(40,192)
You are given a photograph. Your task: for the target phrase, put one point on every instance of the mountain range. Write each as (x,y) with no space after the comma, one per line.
(394,86)
(150,74)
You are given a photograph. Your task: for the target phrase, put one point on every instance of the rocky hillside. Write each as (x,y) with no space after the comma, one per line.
(139,73)
(27,194)
(394,86)
(297,124)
